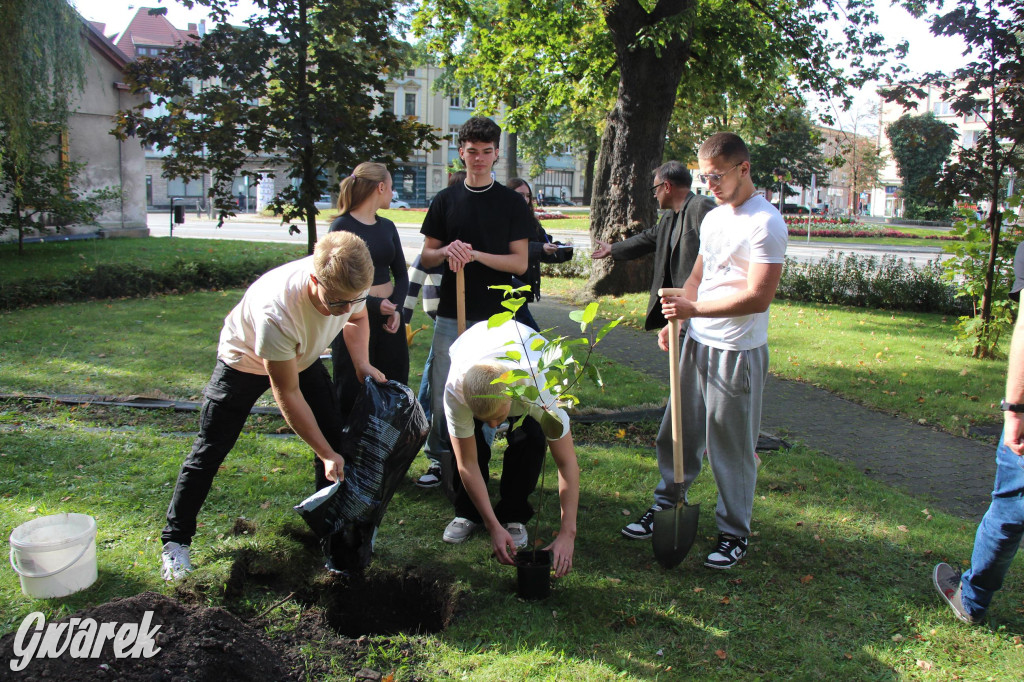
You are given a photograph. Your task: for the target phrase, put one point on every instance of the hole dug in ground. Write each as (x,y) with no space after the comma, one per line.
(389,602)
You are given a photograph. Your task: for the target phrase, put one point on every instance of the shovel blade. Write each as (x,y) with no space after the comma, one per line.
(674,532)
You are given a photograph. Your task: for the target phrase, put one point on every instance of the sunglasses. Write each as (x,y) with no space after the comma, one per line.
(716,177)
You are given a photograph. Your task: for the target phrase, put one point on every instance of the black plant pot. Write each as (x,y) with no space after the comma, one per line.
(533,574)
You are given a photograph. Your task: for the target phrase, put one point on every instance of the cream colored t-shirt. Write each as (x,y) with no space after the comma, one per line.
(479,344)
(275,320)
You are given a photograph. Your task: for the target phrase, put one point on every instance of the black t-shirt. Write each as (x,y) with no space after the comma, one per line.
(385,249)
(488,221)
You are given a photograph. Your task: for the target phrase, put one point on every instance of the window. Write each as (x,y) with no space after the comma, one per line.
(410,104)
(970,139)
(388,102)
(453,137)
(411,73)
(978,114)
(176,187)
(942,109)
(455,101)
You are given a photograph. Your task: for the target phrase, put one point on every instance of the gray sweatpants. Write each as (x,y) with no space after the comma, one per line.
(721,395)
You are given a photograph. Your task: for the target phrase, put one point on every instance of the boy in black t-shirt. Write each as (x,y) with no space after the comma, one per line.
(481,227)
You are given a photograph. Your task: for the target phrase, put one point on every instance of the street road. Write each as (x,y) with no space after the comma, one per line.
(262,230)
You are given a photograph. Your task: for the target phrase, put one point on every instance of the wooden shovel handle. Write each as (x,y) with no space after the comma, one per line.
(460,299)
(676,400)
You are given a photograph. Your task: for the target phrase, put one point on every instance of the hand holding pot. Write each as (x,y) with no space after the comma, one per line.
(562,550)
(503,545)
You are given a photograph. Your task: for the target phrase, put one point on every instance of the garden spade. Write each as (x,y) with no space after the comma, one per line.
(675,528)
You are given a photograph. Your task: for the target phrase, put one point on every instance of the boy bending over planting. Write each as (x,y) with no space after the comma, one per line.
(273,339)
(471,399)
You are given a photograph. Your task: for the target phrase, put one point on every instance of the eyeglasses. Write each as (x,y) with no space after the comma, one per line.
(344,302)
(654,190)
(716,177)
(341,303)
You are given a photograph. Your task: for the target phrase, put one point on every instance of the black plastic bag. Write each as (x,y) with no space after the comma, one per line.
(385,430)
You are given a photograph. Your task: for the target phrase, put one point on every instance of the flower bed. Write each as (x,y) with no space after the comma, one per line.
(550,215)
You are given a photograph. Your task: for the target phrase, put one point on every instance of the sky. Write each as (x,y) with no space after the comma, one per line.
(927,52)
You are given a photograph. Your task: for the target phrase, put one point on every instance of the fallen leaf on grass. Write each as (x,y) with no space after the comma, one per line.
(725,600)
(32,510)
(276,469)
(901,528)
(924,665)
(614,581)
(897,638)
(631,621)
(621,433)
(698,589)
(720,653)
(265,505)
(848,657)
(626,512)
(65,498)
(806,579)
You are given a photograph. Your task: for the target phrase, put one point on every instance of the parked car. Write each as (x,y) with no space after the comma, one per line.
(324,203)
(795,209)
(397,202)
(555,201)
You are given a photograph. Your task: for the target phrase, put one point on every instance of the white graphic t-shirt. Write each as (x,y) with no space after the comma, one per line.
(731,239)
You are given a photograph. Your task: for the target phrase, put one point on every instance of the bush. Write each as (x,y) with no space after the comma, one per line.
(578,266)
(117,280)
(886,283)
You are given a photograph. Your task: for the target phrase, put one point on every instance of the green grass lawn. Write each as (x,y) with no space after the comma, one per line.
(836,584)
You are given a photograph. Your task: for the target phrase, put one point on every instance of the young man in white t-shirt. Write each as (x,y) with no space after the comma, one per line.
(273,339)
(472,400)
(724,362)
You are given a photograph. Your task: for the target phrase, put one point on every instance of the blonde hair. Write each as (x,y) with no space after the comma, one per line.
(342,263)
(478,391)
(357,188)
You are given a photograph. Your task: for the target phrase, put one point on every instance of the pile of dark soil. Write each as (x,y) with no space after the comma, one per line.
(195,643)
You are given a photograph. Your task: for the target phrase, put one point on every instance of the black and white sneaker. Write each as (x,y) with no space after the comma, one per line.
(432,478)
(947,582)
(642,528)
(730,550)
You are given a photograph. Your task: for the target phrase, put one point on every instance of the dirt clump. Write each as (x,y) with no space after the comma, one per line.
(195,643)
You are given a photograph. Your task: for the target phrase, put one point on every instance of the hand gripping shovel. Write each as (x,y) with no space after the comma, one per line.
(675,528)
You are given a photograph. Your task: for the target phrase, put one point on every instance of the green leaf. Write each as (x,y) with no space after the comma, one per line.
(514,355)
(498,319)
(513,304)
(531,393)
(537,343)
(605,329)
(590,312)
(576,315)
(551,425)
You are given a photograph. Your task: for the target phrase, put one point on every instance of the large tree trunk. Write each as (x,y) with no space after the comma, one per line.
(588,177)
(634,139)
(512,155)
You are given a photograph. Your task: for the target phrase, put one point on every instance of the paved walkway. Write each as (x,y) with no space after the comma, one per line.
(948,472)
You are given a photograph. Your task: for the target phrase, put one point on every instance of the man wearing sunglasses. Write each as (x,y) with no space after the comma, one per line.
(273,339)
(673,241)
(724,360)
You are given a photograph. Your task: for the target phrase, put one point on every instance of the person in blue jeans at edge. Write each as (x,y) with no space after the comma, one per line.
(273,339)
(483,228)
(1001,529)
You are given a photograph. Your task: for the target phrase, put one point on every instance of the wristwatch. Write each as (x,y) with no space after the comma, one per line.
(1011,407)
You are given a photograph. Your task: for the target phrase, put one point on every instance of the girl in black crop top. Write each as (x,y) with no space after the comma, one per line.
(362,194)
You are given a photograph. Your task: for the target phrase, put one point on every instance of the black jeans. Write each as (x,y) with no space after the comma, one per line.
(227,400)
(388,352)
(523,459)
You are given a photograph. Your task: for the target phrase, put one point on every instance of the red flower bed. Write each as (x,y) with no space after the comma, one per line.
(797,232)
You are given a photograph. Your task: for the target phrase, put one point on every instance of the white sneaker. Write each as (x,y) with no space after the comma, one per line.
(175,558)
(459,530)
(518,533)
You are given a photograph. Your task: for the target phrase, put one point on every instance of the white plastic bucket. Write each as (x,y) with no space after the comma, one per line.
(55,555)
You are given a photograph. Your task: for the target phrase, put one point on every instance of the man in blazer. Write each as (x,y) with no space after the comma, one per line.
(674,239)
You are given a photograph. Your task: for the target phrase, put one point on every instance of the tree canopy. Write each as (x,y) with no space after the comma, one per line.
(640,61)
(301,85)
(988,88)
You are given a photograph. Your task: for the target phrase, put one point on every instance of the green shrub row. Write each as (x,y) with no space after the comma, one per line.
(116,280)
(886,283)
